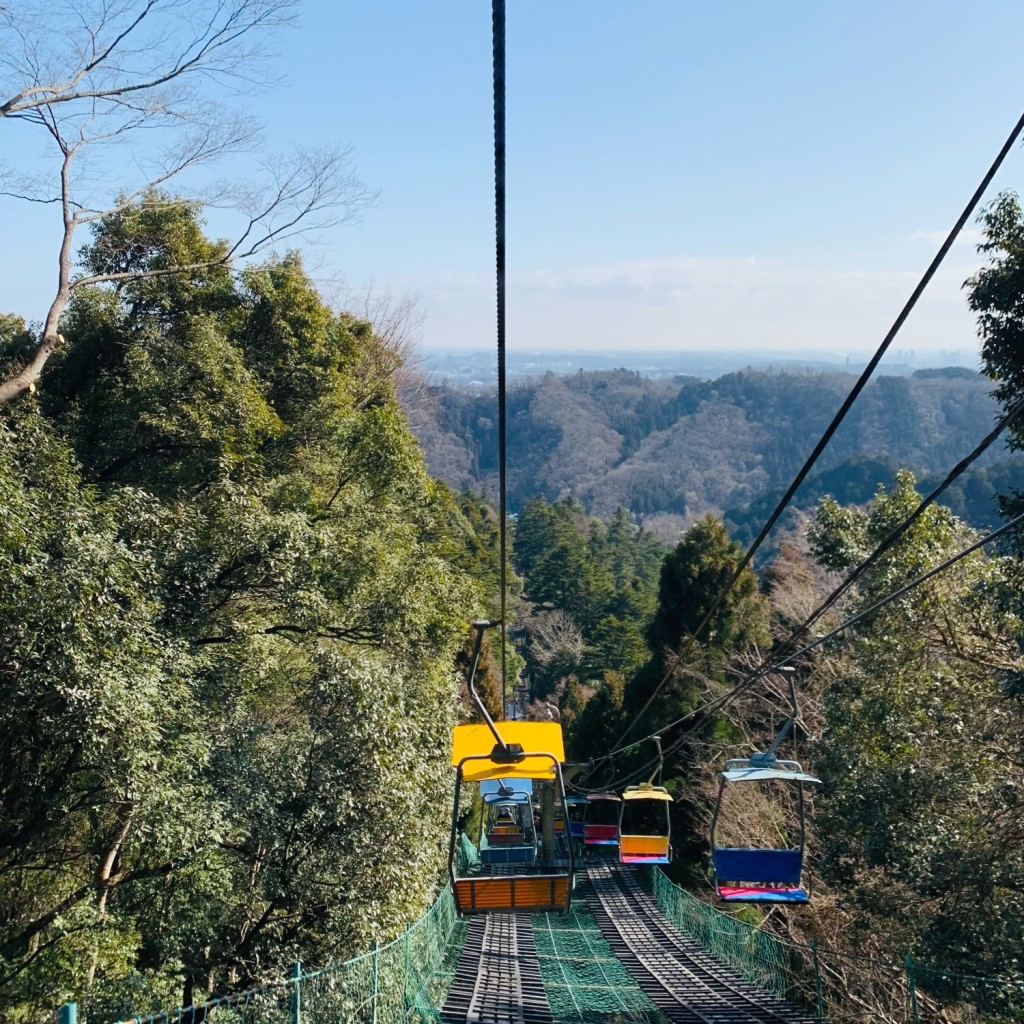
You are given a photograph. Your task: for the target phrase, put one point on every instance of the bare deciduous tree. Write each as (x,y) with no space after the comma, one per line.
(394,356)
(555,637)
(121,92)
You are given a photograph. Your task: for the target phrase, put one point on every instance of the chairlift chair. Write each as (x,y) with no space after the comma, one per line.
(576,809)
(507,833)
(520,751)
(645,826)
(759,874)
(602,824)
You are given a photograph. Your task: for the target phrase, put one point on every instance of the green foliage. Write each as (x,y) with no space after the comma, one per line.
(17,342)
(918,817)
(599,724)
(994,294)
(158,234)
(617,644)
(692,578)
(588,576)
(487,682)
(232,601)
(96,723)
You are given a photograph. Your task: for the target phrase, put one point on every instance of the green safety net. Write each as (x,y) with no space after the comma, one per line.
(840,987)
(407,980)
(404,981)
(582,979)
(755,954)
(467,857)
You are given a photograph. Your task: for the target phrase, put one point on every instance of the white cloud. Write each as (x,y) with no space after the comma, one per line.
(700,303)
(968,236)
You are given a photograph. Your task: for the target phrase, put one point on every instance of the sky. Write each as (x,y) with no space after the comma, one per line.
(681,175)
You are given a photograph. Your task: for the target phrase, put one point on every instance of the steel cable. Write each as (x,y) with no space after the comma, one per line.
(837,419)
(498,63)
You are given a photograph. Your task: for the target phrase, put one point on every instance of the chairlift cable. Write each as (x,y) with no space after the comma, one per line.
(498,65)
(473,757)
(780,659)
(724,699)
(961,467)
(837,419)
(878,605)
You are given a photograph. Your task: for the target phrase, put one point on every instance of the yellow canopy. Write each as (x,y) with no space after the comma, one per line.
(534,737)
(645,791)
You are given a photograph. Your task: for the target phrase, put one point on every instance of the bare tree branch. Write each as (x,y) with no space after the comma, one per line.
(100,76)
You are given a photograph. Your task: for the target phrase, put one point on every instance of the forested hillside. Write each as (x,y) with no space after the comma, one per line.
(685,447)
(242,546)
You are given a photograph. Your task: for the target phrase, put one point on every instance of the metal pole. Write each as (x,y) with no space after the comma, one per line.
(405,976)
(547,820)
(297,992)
(817,982)
(480,625)
(912,989)
(373,1004)
(791,722)
(68,1014)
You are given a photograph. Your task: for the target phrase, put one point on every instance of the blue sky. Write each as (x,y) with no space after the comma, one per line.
(681,175)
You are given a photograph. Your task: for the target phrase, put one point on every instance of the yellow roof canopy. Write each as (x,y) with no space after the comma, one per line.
(534,737)
(645,791)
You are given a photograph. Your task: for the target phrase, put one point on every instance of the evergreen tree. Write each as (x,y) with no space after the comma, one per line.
(231,613)
(918,818)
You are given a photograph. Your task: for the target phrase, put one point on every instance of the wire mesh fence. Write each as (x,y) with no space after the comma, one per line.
(857,990)
(403,981)
(406,980)
(840,987)
(756,955)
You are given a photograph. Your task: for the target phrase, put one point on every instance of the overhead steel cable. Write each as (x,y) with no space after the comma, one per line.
(836,421)
(498,66)
(1015,410)
(878,605)
(887,543)
(723,700)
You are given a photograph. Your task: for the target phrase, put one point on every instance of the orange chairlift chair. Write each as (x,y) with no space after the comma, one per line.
(518,751)
(645,824)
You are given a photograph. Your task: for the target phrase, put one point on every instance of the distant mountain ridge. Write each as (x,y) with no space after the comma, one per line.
(682,447)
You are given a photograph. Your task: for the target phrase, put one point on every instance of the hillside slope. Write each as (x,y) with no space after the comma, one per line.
(684,447)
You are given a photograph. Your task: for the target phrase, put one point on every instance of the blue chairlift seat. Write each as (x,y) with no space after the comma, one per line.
(746,875)
(759,876)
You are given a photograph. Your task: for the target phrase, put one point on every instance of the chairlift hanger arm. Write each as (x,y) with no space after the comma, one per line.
(769,756)
(656,774)
(502,750)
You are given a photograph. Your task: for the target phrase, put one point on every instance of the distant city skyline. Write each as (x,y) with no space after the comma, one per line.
(479,365)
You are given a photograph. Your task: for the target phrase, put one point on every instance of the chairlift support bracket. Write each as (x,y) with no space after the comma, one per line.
(769,758)
(503,753)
